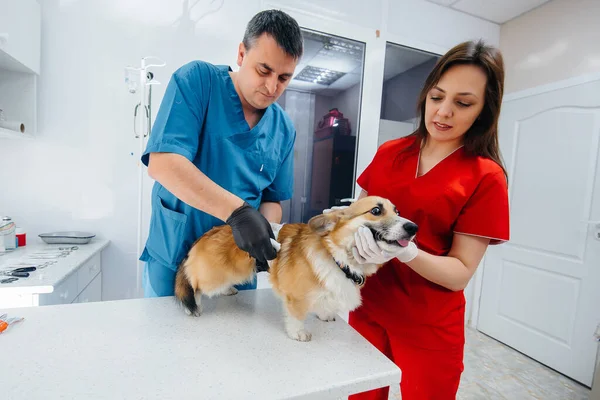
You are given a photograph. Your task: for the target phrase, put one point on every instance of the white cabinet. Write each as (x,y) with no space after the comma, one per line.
(93,291)
(20,51)
(83,285)
(76,278)
(20,32)
(64,293)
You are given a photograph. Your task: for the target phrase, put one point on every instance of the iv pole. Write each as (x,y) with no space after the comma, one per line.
(146,79)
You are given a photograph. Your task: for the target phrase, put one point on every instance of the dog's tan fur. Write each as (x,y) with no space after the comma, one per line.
(304,274)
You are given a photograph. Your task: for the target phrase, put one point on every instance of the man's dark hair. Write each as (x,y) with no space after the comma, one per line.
(280,26)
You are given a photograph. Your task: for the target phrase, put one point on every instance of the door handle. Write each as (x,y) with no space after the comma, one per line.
(596,228)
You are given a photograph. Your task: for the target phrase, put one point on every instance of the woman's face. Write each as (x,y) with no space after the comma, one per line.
(455,103)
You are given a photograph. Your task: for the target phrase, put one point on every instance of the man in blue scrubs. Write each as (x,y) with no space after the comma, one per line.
(221,151)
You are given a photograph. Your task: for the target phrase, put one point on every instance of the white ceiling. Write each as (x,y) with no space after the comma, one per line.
(498,11)
(397,60)
(317,55)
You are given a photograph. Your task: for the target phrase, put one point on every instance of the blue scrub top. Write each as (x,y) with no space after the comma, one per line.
(201,118)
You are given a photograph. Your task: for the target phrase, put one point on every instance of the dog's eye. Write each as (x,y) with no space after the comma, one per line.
(376,211)
(396,211)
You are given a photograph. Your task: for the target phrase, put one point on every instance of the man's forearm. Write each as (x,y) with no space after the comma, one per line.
(180,177)
(272,211)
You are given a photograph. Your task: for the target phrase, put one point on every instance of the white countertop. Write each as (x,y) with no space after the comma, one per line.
(149,349)
(44,280)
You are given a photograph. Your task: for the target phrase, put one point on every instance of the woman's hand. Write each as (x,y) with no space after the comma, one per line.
(452,271)
(367,251)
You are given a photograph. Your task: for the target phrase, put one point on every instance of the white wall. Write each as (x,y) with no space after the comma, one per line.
(556,41)
(80,172)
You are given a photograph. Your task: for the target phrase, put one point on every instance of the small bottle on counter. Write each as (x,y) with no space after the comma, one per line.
(21,237)
(7,232)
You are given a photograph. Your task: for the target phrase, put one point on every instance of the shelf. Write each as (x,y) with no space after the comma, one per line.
(10,64)
(18,102)
(20,41)
(8,134)
(20,35)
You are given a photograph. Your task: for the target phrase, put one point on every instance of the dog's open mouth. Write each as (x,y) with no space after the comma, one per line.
(401,242)
(379,237)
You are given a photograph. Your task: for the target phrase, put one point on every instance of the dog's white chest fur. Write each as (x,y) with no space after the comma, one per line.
(338,293)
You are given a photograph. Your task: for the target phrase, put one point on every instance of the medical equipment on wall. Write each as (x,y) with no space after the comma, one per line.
(143,84)
(140,81)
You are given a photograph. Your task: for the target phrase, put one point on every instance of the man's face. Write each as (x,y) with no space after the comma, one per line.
(265,71)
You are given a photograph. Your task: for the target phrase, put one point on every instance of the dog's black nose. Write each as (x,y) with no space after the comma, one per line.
(410,228)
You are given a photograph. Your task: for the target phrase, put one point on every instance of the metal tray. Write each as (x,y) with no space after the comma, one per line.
(70,237)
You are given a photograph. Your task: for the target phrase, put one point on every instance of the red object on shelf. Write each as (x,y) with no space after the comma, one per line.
(21,237)
(333,123)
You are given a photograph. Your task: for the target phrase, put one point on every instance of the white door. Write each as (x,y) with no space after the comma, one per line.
(541,291)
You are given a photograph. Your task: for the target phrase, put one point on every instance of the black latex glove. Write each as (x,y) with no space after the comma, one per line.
(252,233)
(262,266)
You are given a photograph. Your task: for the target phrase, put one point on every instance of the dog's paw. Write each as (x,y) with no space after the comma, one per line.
(196,313)
(302,335)
(230,291)
(326,317)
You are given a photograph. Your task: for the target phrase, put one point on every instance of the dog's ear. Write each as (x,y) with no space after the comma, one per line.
(324,223)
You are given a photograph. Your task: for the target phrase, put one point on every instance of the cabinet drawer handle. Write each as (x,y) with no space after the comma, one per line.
(64,295)
(93,267)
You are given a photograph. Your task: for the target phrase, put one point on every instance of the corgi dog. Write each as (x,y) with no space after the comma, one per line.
(314,272)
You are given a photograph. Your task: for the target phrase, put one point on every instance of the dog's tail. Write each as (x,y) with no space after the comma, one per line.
(184,292)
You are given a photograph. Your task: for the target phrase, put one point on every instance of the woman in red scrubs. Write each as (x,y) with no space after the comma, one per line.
(448,178)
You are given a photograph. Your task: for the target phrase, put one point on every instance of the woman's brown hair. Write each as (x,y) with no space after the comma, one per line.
(482,138)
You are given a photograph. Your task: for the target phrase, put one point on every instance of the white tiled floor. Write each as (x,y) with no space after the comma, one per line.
(495,371)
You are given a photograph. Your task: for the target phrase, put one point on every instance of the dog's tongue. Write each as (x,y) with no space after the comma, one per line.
(403,243)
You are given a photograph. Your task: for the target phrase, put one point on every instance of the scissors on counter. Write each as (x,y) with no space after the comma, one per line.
(22,272)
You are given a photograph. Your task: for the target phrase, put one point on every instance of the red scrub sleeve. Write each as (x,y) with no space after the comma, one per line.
(486,213)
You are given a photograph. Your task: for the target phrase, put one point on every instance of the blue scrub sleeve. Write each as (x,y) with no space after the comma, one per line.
(179,120)
(282,187)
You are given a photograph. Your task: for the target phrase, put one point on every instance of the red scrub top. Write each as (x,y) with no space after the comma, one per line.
(461,194)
